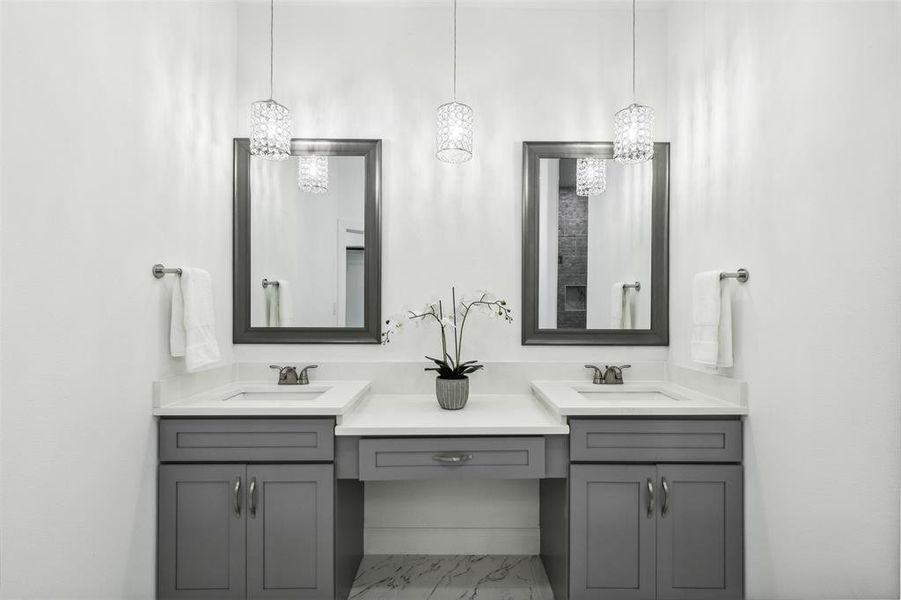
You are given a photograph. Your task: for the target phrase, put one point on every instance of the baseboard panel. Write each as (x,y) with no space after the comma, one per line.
(451,540)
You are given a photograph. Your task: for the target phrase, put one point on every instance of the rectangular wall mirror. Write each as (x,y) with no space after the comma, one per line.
(595,246)
(307,243)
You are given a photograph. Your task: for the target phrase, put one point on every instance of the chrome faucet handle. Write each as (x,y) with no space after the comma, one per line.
(614,373)
(303,377)
(598,374)
(287,375)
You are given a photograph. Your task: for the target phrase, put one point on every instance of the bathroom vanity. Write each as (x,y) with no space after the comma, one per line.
(638,498)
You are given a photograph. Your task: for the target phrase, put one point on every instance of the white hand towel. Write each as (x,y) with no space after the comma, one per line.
(628,307)
(617,297)
(272,305)
(192,331)
(285,305)
(711,332)
(177,321)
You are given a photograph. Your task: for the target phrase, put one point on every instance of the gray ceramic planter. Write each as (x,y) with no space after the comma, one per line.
(452,393)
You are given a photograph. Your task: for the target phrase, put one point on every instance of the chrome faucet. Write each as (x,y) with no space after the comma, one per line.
(288,375)
(611,374)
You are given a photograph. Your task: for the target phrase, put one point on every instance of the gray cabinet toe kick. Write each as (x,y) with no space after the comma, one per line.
(266,508)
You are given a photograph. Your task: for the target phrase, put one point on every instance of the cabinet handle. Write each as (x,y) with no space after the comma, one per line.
(252,490)
(238,497)
(664,508)
(650,498)
(452,457)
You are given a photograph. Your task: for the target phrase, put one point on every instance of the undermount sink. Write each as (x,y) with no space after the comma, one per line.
(265,392)
(627,395)
(653,398)
(276,396)
(258,398)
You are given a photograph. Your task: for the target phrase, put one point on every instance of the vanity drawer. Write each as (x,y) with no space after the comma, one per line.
(452,458)
(655,440)
(246,440)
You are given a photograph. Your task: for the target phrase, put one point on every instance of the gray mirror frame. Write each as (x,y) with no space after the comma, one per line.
(658,334)
(370,333)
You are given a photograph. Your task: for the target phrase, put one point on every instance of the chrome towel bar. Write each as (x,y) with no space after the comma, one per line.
(742,275)
(636,285)
(159,270)
(267,283)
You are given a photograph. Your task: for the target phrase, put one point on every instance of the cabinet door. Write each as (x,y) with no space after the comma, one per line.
(700,533)
(612,532)
(201,531)
(290,532)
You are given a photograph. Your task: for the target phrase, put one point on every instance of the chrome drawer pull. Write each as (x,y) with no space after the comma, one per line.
(253,497)
(452,458)
(650,498)
(238,497)
(664,508)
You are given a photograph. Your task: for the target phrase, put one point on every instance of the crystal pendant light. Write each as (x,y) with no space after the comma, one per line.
(454,124)
(270,122)
(633,126)
(591,176)
(312,173)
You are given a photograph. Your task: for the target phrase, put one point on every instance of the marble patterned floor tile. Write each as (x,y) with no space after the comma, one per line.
(432,577)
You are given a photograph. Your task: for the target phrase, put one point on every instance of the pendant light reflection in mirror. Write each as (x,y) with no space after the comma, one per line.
(633,126)
(591,176)
(454,122)
(270,122)
(312,173)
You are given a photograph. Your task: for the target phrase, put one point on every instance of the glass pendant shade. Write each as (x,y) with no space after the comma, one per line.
(312,174)
(270,130)
(633,134)
(454,133)
(591,176)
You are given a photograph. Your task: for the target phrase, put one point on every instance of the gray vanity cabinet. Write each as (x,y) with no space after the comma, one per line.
(614,528)
(700,533)
(255,519)
(289,531)
(656,510)
(670,532)
(202,532)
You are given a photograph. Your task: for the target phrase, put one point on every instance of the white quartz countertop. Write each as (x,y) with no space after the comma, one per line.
(419,414)
(641,398)
(323,398)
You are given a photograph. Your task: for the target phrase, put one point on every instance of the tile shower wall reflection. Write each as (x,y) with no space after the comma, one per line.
(572,250)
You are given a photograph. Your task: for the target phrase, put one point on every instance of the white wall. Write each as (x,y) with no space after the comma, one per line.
(117,119)
(785,129)
(379,71)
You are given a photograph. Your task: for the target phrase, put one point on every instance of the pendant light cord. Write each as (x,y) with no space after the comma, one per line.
(271,42)
(633,50)
(455,50)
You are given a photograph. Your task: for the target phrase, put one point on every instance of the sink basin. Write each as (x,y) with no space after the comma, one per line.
(256,398)
(627,396)
(276,396)
(651,398)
